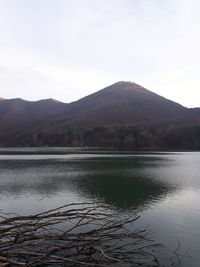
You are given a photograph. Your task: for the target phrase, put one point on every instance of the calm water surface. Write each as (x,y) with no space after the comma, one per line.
(164,188)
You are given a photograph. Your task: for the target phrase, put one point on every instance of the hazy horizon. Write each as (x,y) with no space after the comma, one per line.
(68,49)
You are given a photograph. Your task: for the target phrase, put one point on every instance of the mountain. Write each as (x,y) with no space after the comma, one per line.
(123,103)
(122,115)
(18,112)
(18,115)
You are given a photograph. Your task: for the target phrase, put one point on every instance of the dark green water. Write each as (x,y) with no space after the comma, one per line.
(164,188)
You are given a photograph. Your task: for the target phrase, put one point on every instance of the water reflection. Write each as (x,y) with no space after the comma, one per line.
(122,182)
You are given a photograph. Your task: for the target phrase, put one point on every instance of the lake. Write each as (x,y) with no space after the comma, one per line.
(164,188)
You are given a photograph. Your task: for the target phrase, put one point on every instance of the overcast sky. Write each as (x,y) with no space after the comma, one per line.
(66,49)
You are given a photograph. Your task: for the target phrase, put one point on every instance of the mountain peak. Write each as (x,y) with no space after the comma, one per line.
(128,86)
(123,83)
(52,100)
(126,83)
(1,98)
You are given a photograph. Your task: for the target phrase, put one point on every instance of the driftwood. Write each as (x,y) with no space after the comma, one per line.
(74,235)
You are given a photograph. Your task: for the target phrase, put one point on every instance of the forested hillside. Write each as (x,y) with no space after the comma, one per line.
(123,115)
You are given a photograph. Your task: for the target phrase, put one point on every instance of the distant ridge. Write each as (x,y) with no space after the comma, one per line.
(123,114)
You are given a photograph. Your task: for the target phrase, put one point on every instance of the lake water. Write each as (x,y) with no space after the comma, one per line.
(164,188)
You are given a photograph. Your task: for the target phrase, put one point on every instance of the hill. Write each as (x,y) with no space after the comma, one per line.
(124,115)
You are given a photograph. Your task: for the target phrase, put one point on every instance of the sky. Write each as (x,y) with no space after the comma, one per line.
(67,49)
